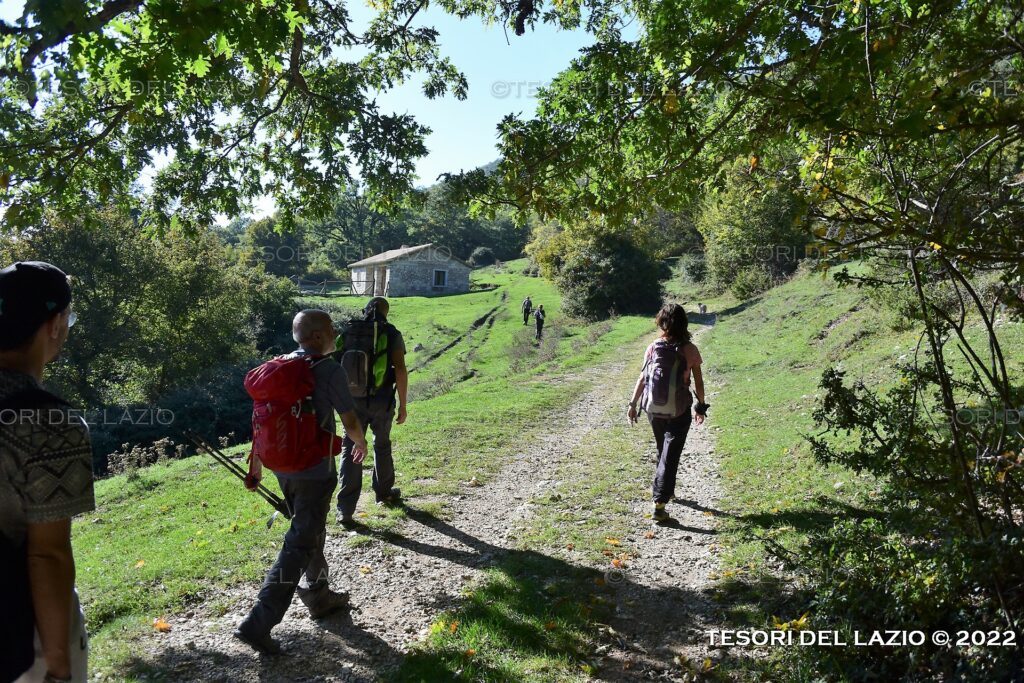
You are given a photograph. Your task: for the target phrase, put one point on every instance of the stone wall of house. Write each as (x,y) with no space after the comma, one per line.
(414,275)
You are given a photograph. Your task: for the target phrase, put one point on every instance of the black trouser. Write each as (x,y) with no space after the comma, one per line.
(540,327)
(526,315)
(301,557)
(670,436)
(378,415)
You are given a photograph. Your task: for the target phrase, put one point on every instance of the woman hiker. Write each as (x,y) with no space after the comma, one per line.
(664,387)
(538,315)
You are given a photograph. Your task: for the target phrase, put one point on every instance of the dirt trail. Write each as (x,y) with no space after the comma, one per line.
(401,580)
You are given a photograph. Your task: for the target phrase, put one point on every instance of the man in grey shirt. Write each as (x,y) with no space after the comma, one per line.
(301,565)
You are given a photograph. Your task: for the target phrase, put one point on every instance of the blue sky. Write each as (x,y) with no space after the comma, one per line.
(503,76)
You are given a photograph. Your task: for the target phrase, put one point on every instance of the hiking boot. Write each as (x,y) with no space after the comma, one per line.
(328,604)
(348,522)
(660,514)
(261,642)
(394,498)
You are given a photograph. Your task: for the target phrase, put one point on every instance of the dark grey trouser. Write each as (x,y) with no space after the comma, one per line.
(540,327)
(526,315)
(301,564)
(378,415)
(670,436)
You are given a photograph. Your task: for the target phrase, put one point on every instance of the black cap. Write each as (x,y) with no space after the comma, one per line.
(31,292)
(374,305)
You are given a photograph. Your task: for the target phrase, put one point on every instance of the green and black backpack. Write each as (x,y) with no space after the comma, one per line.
(364,350)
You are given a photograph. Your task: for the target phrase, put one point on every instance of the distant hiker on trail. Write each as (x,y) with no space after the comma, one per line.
(538,315)
(702,309)
(45,480)
(527,309)
(372,351)
(664,385)
(313,383)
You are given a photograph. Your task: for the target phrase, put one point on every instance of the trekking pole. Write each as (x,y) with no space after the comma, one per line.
(234,467)
(278,504)
(202,444)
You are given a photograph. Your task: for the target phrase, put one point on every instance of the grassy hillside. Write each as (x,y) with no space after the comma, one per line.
(171,535)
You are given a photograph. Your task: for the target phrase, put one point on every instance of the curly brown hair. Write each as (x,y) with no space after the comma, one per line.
(674,324)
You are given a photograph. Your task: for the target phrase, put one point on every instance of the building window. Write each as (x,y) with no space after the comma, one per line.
(440,278)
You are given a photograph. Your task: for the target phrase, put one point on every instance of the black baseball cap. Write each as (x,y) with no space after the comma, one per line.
(375,304)
(31,292)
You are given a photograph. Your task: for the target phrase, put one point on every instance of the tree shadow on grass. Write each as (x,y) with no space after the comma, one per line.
(822,516)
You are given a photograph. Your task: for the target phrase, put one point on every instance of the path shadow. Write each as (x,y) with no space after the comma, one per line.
(479,552)
(695,505)
(547,607)
(528,604)
(703,319)
(338,650)
(673,523)
(740,307)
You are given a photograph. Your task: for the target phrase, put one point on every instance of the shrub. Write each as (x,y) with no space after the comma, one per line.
(944,550)
(750,282)
(607,273)
(694,268)
(482,256)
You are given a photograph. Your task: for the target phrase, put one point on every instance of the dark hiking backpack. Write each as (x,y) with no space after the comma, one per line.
(364,350)
(17,628)
(665,393)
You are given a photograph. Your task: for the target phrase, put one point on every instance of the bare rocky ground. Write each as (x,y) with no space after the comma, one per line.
(401,580)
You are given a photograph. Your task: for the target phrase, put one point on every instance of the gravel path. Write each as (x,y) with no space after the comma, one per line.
(401,580)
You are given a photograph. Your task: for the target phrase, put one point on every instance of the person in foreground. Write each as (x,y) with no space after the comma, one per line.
(307,478)
(45,480)
(663,390)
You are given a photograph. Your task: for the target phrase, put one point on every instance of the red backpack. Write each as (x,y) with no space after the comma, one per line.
(285,434)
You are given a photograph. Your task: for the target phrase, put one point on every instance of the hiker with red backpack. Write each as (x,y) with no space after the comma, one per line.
(663,390)
(372,351)
(295,436)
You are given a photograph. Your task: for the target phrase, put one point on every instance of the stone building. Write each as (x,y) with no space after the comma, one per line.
(424,270)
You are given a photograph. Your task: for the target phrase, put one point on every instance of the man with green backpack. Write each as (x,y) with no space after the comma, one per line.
(372,351)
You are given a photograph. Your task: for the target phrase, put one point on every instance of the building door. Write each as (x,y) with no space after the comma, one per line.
(380,280)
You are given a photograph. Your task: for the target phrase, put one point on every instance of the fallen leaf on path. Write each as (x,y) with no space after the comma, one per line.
(470,652)
(364,570)
(612,541)
(160,625)
(709,513)
(453,627)
(140,564)
(570,546)
(650,534)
